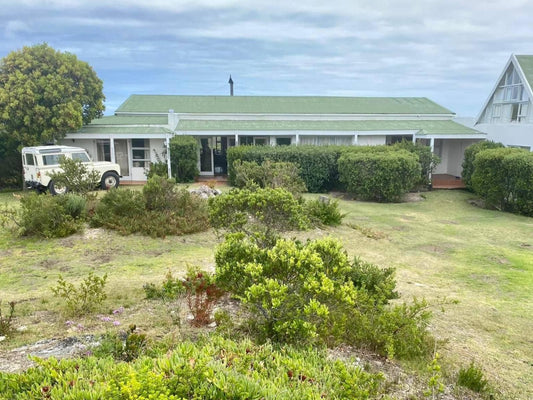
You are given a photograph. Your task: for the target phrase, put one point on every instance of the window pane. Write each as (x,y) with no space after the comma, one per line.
(51,159)
(139,143)
(80,156)
(283,141)
(139,154)
(29,159)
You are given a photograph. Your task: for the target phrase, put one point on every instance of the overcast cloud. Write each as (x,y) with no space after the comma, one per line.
(450,51)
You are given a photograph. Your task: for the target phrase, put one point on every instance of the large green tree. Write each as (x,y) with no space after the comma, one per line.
(45,93)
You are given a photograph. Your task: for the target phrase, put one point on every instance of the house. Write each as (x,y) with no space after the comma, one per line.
(507,115)
(142,126)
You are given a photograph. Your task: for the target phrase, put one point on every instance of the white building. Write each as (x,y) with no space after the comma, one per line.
(507,115)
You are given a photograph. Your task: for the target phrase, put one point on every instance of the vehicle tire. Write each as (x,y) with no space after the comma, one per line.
(56,190)
(109,180)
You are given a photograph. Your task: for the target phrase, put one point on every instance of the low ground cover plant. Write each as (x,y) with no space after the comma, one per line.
(472,378)
(213,368)
(45,215)
(160,210)
(311,293)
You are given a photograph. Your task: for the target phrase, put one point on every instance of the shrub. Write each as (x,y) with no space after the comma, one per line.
(318,164)
(201,294)
(427,160)
(126,347)
(46,216)
(159,168)
(160,210)
(469,157)
(323,211)
(6,321)
(504,178)
(75,176)
(380,176)
(379,282)
(269,174)
(472,378)
(184,158)
(171,289)
(263,210)
(87,298)
(306,293)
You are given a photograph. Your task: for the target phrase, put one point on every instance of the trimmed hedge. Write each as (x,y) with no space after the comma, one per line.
(470,155)
(380,176)
(318,164)
(184,158)
(504,178)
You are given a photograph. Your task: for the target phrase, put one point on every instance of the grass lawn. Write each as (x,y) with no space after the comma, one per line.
(442,247)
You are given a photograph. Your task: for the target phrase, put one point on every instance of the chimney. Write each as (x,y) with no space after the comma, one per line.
(230,86)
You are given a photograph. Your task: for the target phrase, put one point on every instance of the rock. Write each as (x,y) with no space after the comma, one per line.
(205,192)
(324,199)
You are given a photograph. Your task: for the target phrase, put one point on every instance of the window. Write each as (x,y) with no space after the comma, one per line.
(521,114)
(246,140)
(283,141)
(496,112)
(103,150)
(80,156)
(260,141)
(140,152)
(51,159)
(29,159)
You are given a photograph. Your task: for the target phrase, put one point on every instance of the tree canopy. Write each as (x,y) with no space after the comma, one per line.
(45,93)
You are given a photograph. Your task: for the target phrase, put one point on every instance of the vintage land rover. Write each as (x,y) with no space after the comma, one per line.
(38,162)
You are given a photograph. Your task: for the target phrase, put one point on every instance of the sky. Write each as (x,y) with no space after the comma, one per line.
(449,51)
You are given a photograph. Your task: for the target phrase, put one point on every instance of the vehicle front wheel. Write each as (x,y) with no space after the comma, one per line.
(56,189)
(110,180)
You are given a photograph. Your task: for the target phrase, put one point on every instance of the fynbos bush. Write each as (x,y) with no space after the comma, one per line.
(85,298)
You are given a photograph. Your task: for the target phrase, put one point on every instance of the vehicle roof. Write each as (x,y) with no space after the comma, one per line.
(51,149)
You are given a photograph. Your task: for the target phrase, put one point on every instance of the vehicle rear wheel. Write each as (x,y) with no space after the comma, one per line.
(110,180)
(56,189)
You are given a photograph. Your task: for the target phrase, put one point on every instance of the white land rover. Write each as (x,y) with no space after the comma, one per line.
(38,162)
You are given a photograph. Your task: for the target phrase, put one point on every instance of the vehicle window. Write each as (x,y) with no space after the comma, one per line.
(51,159)
(80,156)
(29,159)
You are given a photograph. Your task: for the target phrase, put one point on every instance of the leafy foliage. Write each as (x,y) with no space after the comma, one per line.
(45,93)
(470,155)
(427,160)
(75,176)
(46,216)
(504,178)
(171,289)
(285,175)
(323,212)
(211,369)
(382,176)
(127,347)
(86,298)
(266,211)
(310,293)
(472,378)
(160,210)
(184,158)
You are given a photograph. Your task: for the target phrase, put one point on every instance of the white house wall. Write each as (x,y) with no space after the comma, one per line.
(452,155)
(157,146)
(87,144)
(371,140)
(509,134)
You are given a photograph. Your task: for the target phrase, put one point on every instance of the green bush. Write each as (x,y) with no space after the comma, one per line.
(323,212)
(427,160)
(318,164)
(171,288)
(75,176)
(127,347)
(184,158)
(159,168)
(472,378)
(470,155)
(160,210)
(308,293)
(87,298)
(381,176)
(211,369)
(269,174)
(504,178)
(6,321)
(263,210)
(46,216)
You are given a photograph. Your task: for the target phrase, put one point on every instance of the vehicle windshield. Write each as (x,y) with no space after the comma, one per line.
(80,156)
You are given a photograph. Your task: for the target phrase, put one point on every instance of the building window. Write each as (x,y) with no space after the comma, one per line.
(140,152)
(260,141)
(496,112)
(246,140)
(283,141)
(103,150)
(519,112)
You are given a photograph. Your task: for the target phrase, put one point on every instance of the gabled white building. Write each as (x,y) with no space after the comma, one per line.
(507,115)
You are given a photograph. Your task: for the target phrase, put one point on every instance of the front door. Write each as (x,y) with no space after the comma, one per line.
(121,157)
(206,157)
(220,159)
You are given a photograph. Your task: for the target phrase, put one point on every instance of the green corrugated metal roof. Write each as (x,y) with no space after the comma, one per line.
(281,105)
(427,127)
(94,129)
(131,120)
(526,63)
